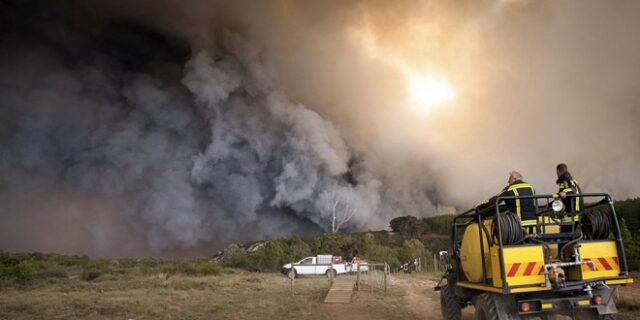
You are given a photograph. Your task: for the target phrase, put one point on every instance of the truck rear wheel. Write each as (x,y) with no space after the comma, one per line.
(491,306)
(331,273)
(449,304)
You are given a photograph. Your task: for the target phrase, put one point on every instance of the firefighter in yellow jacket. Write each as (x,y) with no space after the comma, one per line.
(525,209)
(572,205)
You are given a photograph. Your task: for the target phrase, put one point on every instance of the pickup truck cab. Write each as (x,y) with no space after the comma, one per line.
(323,264)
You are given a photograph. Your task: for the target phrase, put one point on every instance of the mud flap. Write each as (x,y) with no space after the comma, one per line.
(608,306)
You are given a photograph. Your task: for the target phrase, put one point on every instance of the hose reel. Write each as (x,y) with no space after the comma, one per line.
(596,224)
(510,229)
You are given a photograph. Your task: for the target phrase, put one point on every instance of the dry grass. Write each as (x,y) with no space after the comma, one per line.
(240,295)
(232,295)
(51,286)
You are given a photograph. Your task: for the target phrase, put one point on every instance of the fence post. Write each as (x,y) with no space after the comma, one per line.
(358,278)
(292,276)
(331,273)
(435,263)
(386,266)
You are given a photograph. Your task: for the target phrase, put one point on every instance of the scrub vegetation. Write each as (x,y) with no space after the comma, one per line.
(49,285)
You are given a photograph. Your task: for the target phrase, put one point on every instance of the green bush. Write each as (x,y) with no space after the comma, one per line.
(186,268)
(210,269)
(338,244)
(381,253)
(628,212)
(19,270)
(410,250)
(236,257)
(270,257)
(439,224)
(296,248)
(408,226)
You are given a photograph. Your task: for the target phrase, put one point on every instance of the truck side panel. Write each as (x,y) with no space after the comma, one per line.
(524,265)
(604,258)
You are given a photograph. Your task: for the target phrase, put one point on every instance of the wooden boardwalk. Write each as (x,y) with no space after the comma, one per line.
(341,290)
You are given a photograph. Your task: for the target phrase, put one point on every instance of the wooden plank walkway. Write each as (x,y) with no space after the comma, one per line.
(341,290)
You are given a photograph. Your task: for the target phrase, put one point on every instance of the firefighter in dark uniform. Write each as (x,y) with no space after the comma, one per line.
(572,205)
(525,209)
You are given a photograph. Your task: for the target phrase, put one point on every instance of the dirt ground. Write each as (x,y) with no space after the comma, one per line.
(421,298)
(368,305)
(411,297)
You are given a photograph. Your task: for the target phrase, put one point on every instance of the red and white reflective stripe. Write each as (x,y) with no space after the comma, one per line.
(524,269)
(602,263)
(514,270)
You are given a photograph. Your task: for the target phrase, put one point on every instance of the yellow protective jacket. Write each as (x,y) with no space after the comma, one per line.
(525,209)
(568,185)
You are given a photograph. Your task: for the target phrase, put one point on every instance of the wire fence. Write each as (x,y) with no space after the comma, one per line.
(424,264)
(375,277)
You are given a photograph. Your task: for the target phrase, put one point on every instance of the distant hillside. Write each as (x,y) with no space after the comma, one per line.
(375,246)
(410,237)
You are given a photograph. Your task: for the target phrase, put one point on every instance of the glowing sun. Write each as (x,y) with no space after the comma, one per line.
(427,91)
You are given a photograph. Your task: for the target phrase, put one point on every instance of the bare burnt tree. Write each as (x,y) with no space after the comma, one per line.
(339,205)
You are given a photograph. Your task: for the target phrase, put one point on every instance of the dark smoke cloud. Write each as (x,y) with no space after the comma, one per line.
(178,146)
(165,127)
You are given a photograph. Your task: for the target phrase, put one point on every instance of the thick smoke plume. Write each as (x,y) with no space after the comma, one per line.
(169,127)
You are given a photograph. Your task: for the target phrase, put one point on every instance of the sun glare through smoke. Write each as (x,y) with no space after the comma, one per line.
(427,91)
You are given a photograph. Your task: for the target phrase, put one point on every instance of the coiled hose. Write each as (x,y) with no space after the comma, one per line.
(596,225)
(510,229)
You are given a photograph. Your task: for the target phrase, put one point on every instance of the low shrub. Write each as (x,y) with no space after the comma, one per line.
(20,270)
(210,269)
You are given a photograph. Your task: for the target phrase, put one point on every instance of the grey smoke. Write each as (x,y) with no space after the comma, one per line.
(215,155)
(159,127)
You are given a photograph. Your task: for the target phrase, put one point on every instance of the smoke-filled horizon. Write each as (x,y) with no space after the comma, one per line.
(169,127)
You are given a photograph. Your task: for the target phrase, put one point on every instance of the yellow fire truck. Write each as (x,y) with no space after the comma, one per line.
(507,272)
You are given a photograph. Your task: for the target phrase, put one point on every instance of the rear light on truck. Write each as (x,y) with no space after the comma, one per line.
(529,306)
(597,300)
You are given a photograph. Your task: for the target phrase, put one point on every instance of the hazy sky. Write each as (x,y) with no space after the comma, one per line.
(177,127)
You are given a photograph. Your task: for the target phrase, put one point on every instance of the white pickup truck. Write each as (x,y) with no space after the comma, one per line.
(322,264)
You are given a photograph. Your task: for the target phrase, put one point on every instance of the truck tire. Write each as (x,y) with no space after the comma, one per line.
(491,306)
(450,306)
(331,273)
